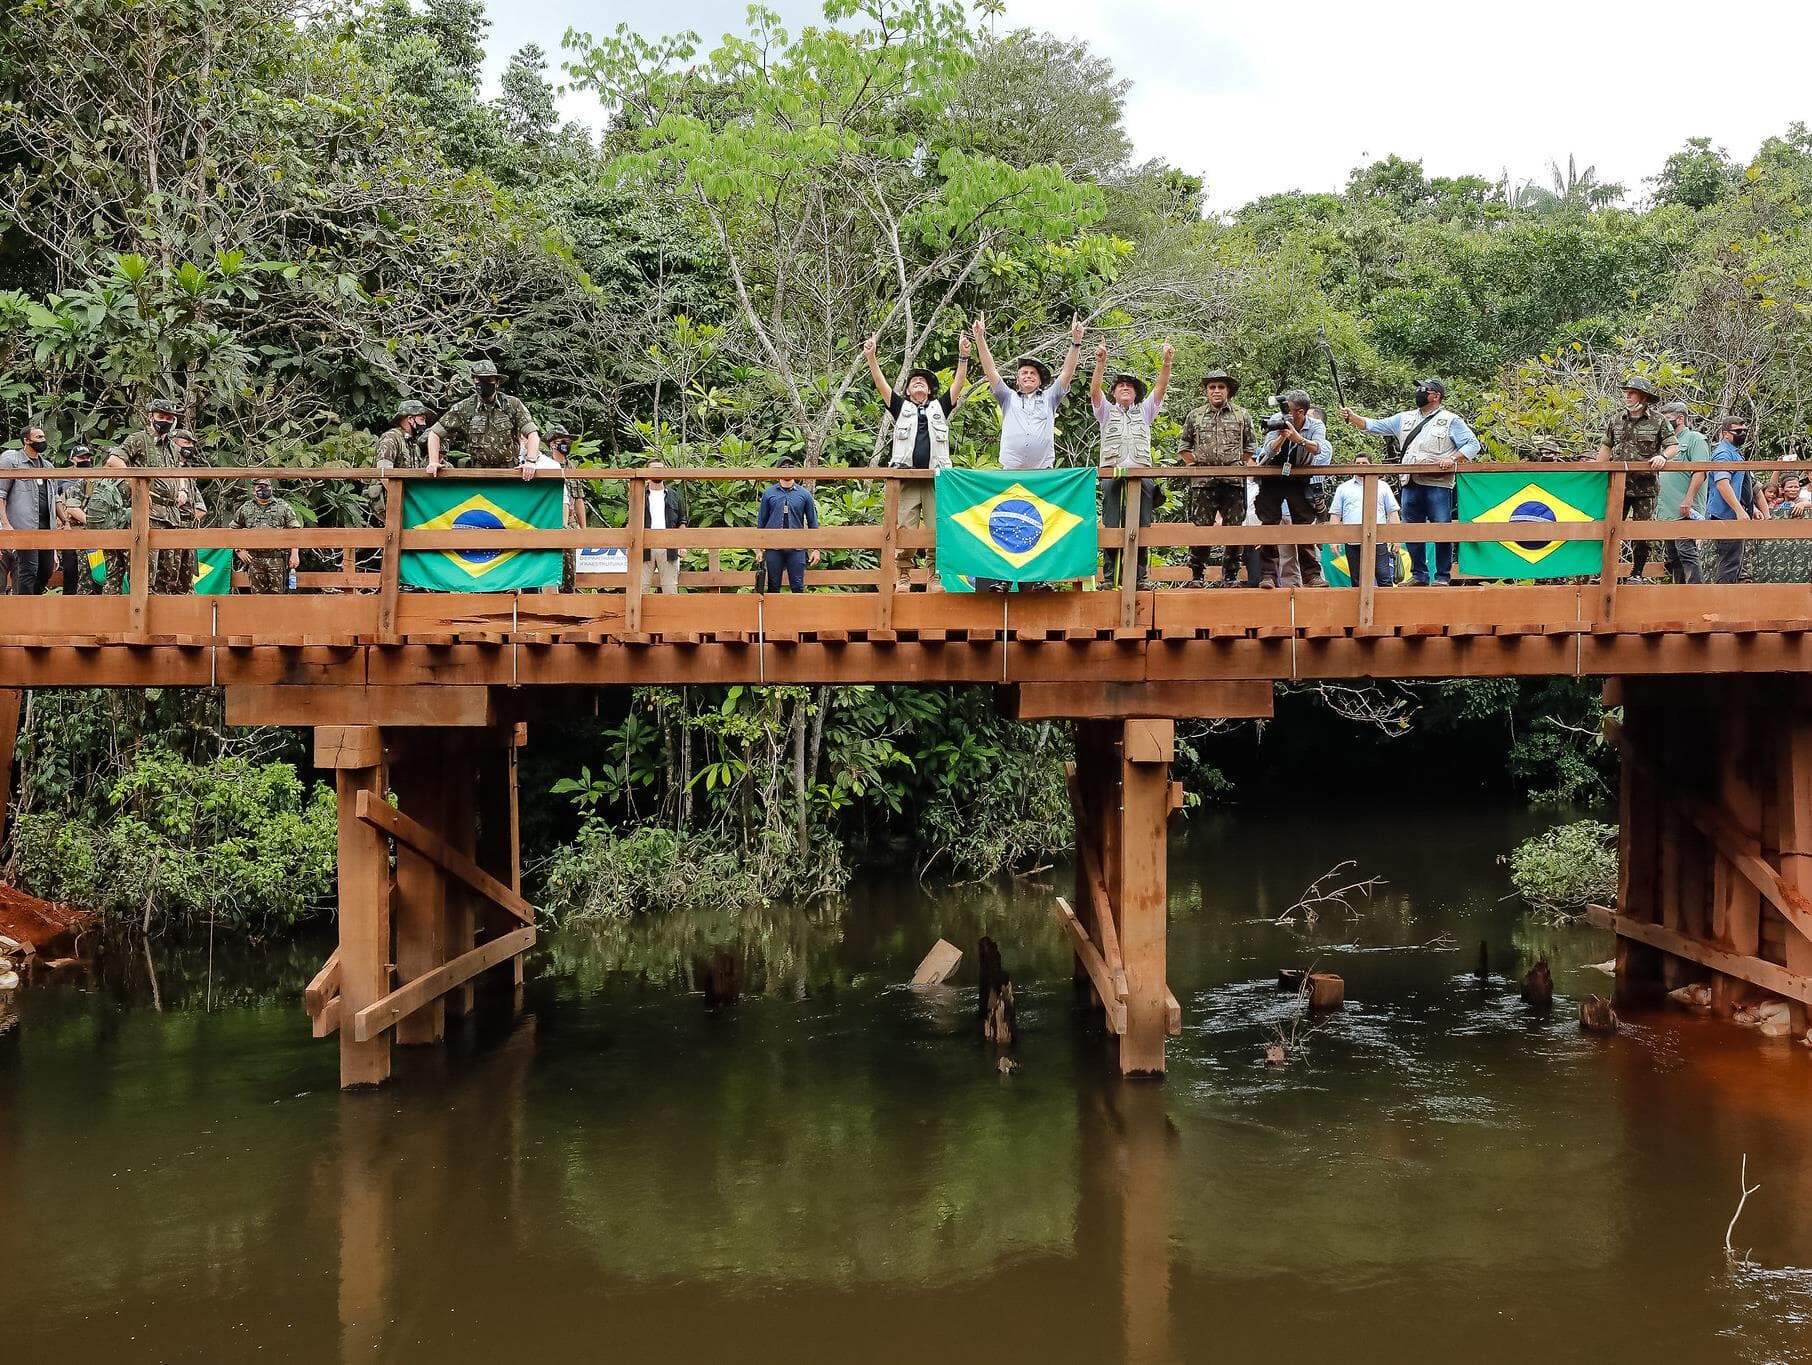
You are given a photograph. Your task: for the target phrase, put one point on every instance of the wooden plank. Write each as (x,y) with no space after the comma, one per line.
(348,746)
(380,815)
(138,561)
(385,1012)
(1366,574)
(301,704)
(1141,892)
(1613,547)
(1794,832)
(1751,969)
(889,571)
(325,985)
(391,571)
(1133,491)
(1173,1015)
(1155,700)
(327,1022)
(638,539)
(1090,958)
(364,950)
(938,964)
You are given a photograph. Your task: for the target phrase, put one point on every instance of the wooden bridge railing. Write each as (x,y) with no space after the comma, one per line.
(881,540)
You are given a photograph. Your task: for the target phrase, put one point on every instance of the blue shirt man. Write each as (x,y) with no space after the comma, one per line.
(787,506)
(1432,441)
(1729,497)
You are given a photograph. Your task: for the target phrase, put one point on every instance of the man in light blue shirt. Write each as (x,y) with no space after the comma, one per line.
(1028,410)
(1434,440)
(1347,508)
(1730,495)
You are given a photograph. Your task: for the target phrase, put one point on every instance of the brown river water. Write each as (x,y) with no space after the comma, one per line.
(835,1168)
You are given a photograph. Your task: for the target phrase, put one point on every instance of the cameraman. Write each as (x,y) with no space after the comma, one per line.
(1435,440)
(1296,441)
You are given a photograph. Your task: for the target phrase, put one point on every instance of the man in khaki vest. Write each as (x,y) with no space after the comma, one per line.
(1126,414)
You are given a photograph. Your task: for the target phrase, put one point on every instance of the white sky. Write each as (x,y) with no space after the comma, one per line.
(1265,98)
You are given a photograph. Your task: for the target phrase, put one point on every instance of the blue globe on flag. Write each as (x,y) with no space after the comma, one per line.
(1533,512)
(1015,526)
(478,519)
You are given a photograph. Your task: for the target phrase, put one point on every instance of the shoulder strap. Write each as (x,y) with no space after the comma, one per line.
(1410,440)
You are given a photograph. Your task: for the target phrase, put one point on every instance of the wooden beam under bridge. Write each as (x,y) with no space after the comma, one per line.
(1166,700)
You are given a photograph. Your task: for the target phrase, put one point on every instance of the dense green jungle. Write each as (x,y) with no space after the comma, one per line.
(293,217)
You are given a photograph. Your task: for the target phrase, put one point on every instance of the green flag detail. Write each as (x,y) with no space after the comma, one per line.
(506,505)
(1530,503)
(213,571)
(1016,525)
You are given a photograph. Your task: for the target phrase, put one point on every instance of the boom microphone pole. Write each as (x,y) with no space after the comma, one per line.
(1321,340)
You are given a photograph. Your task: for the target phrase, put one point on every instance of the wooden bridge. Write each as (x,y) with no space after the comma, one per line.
(425,697)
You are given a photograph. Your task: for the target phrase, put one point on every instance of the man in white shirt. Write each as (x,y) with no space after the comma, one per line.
(1348,509)
(666,512)
(1028,410)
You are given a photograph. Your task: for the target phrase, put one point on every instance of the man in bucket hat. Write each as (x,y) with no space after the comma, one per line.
(1218,432)
(1126,414)
(1642,438)
(921,436)
(492,427)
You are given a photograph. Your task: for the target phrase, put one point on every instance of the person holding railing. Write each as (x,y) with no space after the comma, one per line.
(29,505)
(175,501)
(268,571)
(1126,414)
(1435,441)
(786,506)
(1639,436)
(1680,494)
(398,447)
(72,502)
(921,438)
(1730,497)
(492,427)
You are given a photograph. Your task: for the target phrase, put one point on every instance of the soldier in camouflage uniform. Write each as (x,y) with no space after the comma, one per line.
(1219,432)
(399,448)
(493,428)
(72,511)
(175,503)
(151,446)
(1643,439)
(109,508)
(268,570)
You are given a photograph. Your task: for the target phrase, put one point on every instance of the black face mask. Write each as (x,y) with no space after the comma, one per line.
(564,447)
(1736,438)
(263,495)
(36,447)
(163,426)
(1423,394)
(487,388)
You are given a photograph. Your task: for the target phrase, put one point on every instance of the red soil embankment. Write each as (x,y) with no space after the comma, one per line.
(26,919)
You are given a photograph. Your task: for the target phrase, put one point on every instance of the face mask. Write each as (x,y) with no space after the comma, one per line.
(36,447)
(262,494)
(487,388)
(563,447)
(163,425)
(1737,438)
(1424,394)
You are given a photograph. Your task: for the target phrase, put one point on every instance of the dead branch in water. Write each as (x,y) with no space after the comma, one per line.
(1319,897)
(1747,1189)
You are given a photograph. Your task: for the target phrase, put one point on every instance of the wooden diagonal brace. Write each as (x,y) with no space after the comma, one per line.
(384,1013)
(1756,971)
(1092,963)
(1740,848)
(383,816)
(325,987)
(1097,893)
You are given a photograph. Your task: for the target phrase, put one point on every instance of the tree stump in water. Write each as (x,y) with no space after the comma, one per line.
(717,976)
(1483,971)
(1597,1016)
(995,998)
(1538,986)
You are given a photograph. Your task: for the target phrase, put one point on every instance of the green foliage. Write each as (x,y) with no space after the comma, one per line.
(611,874)
(249,844)
(1567,868)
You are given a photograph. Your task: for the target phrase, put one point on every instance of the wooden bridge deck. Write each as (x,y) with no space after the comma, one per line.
(1176,635)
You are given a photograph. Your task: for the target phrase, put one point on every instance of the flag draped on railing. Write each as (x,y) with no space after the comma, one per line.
(507,505)
(1015,525)
(1530,503)
(213,570)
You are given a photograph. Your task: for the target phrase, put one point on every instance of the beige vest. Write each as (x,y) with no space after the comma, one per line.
(1126,437)
(1432,442)
(905,432)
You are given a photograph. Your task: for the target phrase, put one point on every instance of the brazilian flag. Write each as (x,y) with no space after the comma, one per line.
(213,571)
(506,505)
(1334,567)
(1531,503)
(1015,525)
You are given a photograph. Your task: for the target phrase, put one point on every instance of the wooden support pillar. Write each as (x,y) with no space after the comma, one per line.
(1737,907)
(1639,966)
(419,778)
(1794,831)
(462,833)
(364,953)
(11,700)
(1142,891)
(1144,1186)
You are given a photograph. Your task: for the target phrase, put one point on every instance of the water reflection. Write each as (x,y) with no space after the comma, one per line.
(836,1165)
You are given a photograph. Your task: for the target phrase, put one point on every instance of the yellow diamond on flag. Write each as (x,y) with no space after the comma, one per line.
(203,570)
(1017,524)
(1534,506)
(476,513)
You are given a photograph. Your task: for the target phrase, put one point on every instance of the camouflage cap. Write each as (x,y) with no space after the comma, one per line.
(484,369)
(558,429)
(1642,384)
(1674,409)
(263,482)
(411,407)
(1221,377)
(169,407)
